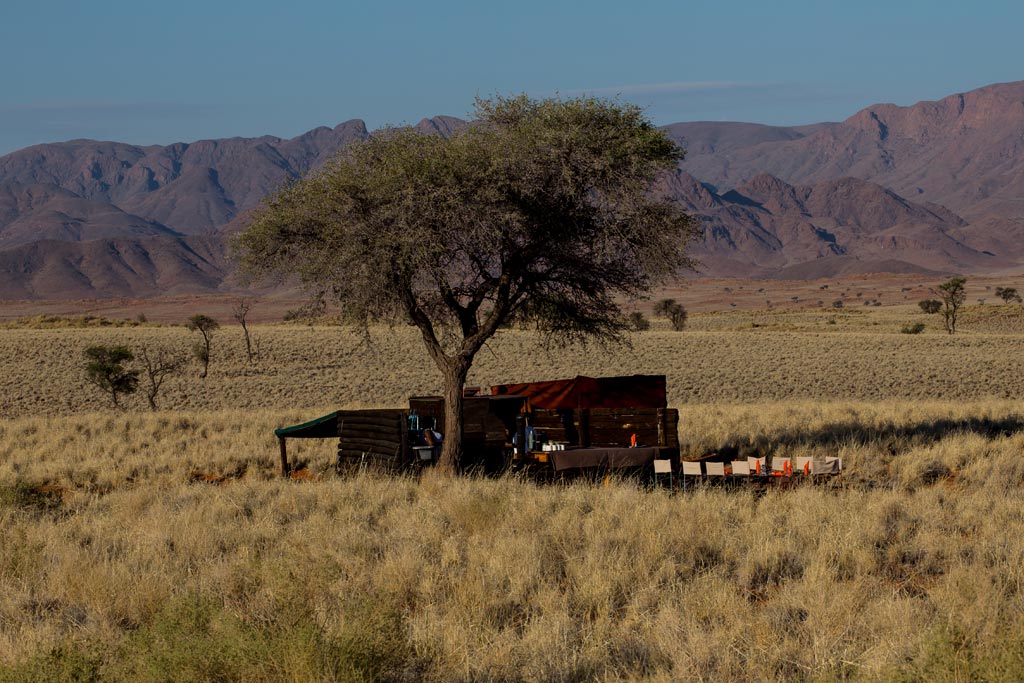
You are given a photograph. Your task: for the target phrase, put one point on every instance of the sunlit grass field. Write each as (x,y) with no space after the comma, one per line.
(142,546)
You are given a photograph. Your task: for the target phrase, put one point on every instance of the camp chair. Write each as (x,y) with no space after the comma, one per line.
(802,465)
(715,469)
(691,469)
(827,466)
(782,465)
(741,468)
(757,466)
(663,467)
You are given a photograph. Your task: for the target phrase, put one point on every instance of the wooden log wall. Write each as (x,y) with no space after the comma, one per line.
(560,425)
(377,436)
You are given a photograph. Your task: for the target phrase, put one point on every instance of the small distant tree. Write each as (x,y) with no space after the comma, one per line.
(240,312)
(158,366)
(837,303)
(677,317)
(206,326)
(663,307)
(953,294)
(1008,294)
(930,306)
(639,322)
(105,369)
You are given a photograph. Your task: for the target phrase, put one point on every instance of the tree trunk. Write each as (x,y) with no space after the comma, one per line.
(451,448)
(248,342)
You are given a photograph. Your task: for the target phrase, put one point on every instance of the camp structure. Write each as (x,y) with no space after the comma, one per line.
(595,422)
(559,425)
(379,435)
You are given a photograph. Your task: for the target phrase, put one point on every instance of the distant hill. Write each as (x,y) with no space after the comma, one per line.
(768,228)
(964,152)
(936,187)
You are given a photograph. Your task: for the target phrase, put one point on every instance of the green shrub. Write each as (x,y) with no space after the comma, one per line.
(916,328)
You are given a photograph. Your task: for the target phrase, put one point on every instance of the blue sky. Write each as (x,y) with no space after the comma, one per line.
(147,72)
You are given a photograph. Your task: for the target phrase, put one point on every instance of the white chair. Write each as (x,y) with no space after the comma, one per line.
(715,469)
(757,465)
(741,468)
(781,464)
(662,467)
(691,469)
(802,465)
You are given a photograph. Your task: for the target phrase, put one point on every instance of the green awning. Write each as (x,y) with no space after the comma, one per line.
(325,427)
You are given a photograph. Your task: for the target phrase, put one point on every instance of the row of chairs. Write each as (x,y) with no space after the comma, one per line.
(754,467)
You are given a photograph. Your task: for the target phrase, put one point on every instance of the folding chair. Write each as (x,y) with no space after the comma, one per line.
(691,469)
(757,466)
(741,468)
(802,466)
(715,469)
(663,467)
(783,466)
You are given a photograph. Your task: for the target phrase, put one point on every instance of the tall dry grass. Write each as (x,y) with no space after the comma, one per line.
(119,563)
(143,546)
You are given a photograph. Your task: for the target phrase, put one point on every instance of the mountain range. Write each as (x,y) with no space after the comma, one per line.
(936,187)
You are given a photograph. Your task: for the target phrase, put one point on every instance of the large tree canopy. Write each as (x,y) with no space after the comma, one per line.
(540,209)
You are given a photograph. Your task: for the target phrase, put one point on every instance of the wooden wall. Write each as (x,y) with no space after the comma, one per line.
(380,437)
(600,427)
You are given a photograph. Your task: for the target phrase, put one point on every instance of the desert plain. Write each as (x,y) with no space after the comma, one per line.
(162,545)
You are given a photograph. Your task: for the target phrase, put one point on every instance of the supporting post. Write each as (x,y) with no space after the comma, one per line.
(521,450)
(284,457)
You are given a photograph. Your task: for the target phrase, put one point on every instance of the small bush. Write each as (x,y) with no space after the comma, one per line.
(916,328)
(23,496)
(930,306)
(837,304)
(639,322)
(63,663)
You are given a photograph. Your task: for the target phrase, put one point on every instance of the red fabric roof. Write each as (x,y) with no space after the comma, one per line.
(633,391)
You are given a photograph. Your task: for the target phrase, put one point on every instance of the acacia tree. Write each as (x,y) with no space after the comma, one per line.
(105,369)
(158,366)
(1008,294)
(542,210)
(206,326)
(953,295)
(240,312)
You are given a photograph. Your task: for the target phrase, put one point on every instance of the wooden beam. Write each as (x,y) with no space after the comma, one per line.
(284,457)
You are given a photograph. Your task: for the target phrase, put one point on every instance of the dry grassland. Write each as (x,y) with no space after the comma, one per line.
(142,546)
(733,357)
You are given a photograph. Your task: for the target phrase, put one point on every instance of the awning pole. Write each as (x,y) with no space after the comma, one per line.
(284,457)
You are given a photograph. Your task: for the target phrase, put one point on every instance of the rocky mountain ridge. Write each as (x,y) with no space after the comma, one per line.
(934,187)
